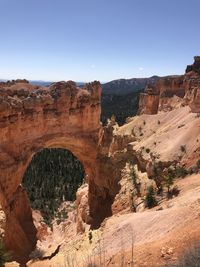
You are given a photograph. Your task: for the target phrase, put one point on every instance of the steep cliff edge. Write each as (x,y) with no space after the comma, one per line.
(32,118)
(172,92)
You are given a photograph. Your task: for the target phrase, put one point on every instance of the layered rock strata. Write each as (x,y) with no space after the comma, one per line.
(173,91)
(33,118)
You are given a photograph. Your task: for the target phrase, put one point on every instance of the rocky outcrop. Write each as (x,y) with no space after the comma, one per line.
(195,67)
(192,96)
(195,104)
(32,118)
(148,103)
(184,89)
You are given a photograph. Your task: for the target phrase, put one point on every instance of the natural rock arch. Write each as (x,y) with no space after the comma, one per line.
(33,118)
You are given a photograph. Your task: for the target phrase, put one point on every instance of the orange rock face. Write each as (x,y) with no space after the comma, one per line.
(33,118)
(159,97)
(148,104)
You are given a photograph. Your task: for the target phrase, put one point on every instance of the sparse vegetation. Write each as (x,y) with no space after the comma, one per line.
(147,150)
(132,202)
(174,192)
(90,237)
(198,115)
(198,164)
(113,118)
(183,148)
(182,125)
(169,180)
(61,216)
(37,254)
(134,177)
(180,171)
(190,258)
(5,256)
(157,178)
(150,200)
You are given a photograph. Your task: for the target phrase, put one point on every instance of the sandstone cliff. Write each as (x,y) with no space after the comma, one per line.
(172,92)
(32,118)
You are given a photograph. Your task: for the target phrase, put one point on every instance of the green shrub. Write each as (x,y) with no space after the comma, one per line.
(150,200)
(190,258)
(181,172)
(169,179)
(38,253)
(134,177)
(183,148)
(5,256)
(157,177)
(147,150)
(90,237)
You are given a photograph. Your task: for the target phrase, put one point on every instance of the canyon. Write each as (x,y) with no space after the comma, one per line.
(164,134)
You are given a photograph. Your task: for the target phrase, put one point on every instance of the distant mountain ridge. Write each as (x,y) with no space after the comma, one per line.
(41,82)
(47,83)
(126,86)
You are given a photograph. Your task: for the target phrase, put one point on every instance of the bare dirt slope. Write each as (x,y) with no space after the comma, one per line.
(166,135)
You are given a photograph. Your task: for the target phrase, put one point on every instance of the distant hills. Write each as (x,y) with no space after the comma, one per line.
(47,83)
(117,87)
(43,83)
(126,86)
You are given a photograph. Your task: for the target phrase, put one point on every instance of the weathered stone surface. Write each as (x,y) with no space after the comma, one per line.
(148,104)
(195,104)
(195,66)
(32,118)
(160,96)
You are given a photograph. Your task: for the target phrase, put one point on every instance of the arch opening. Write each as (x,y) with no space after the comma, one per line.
(53,177)
(48,189)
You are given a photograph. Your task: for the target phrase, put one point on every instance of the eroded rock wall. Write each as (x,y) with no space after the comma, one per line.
(173,92)
(32,118)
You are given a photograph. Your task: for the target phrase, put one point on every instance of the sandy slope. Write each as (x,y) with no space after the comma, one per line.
(165,133)
(152,234)
(178,221)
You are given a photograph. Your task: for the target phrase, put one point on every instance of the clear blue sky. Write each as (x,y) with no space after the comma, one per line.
(86,40)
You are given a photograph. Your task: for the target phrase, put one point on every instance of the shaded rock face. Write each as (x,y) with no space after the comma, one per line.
(33,118)
(195,66)
(148,103)
(159,96)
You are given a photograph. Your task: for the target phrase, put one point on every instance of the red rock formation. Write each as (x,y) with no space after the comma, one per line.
(148,103)
(32,118)
(159,97)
